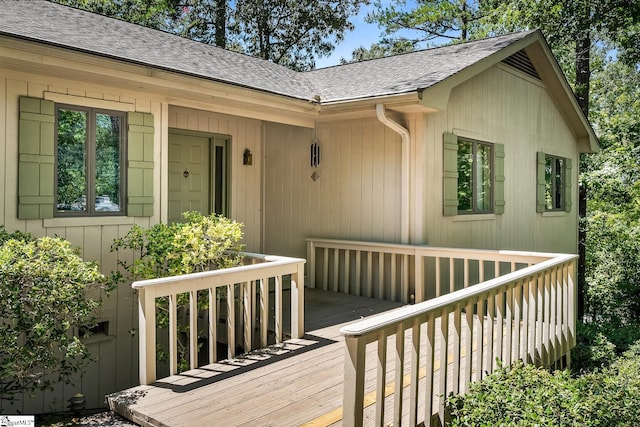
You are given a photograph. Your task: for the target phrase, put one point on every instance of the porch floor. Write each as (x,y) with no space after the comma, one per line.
(291,384)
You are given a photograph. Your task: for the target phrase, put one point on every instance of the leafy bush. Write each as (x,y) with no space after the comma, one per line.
(200,243)
(517,395)
(43,289)
(525,395)
(600,344)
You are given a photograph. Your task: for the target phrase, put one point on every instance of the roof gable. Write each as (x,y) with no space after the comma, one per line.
(404,73)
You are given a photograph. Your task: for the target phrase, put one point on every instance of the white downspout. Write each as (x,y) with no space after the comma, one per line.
(406,140)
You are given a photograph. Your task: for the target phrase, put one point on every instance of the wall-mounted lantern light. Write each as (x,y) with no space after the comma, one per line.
(315,152)
(247,157)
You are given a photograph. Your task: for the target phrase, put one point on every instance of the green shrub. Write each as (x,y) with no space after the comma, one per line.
(521,395)
(529,396)
(599,344)
(610,397)
(201,243)
(43,290)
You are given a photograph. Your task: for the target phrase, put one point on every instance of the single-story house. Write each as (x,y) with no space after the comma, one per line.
(471,145)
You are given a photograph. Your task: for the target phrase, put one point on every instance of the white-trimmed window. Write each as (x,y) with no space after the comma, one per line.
(72,161)
(473,176)
(90,147)
(553,183)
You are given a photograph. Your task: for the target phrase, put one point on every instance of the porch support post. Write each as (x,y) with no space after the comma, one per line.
(311,263)
(147,338)
(353,396)
(297,302)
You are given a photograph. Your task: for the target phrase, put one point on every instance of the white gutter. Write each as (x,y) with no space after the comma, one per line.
(406,140)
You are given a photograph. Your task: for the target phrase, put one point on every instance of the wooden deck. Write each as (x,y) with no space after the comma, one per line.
(298,382)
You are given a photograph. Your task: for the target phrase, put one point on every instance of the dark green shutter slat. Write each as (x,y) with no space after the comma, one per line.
(498,179)
(568,185)
(540,182)
(450,175)
(140,164)
(36,158)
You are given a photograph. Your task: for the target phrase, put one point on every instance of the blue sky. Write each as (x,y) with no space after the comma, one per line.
(363,35)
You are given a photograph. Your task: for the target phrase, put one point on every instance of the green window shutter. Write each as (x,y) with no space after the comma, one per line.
(498,179)
(450,175)
(140,165)
(568,185)
(36,158)
(540,182)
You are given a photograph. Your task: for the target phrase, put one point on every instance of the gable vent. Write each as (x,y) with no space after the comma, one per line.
(520,61)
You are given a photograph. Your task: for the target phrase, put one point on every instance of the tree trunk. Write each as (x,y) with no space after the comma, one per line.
(583,71)
(221,23)
(583,76)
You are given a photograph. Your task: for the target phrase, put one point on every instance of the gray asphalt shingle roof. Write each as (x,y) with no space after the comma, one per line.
(404,73)
(57,25)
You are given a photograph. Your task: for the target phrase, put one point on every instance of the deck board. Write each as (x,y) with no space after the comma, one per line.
(284,386)
(299,382)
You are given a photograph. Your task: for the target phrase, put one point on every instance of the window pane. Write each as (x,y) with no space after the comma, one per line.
(559,184)
(554,183)
(548,186)
(483,178)
(465,171)
(107,163)
(72,171)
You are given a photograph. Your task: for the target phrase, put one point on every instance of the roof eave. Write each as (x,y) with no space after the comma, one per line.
(405,102)
(150,65)
(178,88)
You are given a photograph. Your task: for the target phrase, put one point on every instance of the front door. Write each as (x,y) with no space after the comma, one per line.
(198,173)
(189,175)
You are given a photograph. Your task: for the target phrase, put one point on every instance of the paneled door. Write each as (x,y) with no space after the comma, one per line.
(189,175)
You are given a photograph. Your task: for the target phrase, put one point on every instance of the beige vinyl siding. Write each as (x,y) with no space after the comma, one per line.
(93,236)
(357,195)
(245,190)
(502,106)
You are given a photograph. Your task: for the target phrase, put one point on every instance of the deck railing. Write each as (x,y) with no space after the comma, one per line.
(431,349)
(250,283)
(405,273)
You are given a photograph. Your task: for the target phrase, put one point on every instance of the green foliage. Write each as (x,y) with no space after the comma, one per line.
(525,396)
(428,20)
(519,396)
(287,32)
(378,50)
(43,289)
(600,344)
(150,13)
(292,33)
(612,178)
(199,244)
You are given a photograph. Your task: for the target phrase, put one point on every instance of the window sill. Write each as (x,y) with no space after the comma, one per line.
(474,217)
(88,221)
(554,213)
